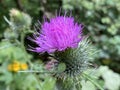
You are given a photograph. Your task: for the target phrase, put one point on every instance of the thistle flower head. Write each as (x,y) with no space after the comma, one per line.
(58,34)
(62,36)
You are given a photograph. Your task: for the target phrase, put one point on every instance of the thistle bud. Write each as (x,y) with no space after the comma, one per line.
(19,19)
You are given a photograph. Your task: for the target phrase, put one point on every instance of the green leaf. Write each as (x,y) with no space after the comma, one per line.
(87,85)
(112,79)
(92,80)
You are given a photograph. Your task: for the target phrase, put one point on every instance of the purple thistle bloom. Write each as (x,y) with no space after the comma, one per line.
(58,34)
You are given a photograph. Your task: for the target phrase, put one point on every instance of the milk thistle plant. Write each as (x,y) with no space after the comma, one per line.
(62,37)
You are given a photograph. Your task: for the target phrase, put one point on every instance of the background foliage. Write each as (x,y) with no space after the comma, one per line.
(101,19)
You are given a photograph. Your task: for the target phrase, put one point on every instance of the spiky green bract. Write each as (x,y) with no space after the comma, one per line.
(69,83)
(76,61)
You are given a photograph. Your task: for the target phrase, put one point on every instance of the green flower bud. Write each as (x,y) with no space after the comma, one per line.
(19,19)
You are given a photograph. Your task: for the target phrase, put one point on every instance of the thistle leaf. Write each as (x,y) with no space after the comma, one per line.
(92,80)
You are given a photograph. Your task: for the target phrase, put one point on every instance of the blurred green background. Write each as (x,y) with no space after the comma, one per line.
(101,20)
